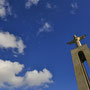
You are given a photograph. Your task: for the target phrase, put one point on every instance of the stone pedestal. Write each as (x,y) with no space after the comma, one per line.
(79,56)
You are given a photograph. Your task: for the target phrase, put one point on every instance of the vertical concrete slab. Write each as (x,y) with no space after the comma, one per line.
(80,72)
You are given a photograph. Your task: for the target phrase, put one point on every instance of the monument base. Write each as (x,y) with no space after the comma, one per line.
(79,56)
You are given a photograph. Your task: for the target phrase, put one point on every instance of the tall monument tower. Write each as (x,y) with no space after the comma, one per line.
(79,55)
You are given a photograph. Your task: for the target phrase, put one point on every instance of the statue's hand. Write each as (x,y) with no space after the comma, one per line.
(82,37)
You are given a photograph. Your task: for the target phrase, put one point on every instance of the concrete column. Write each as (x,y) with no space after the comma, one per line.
(80,72)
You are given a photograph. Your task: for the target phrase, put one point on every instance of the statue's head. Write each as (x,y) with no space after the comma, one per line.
(74,36)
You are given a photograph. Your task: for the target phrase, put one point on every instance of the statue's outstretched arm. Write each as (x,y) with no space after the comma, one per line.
(82,37)
(73,41)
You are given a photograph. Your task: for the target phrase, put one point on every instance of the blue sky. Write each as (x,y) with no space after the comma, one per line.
(34,33)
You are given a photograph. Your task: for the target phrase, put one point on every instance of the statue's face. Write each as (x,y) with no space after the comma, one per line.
(74,36)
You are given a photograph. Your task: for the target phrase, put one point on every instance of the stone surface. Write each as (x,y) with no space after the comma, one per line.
(79,56)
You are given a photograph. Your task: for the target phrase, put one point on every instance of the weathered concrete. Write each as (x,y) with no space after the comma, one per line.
(79,55)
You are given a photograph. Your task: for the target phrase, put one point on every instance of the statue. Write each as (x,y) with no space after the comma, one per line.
(76,40)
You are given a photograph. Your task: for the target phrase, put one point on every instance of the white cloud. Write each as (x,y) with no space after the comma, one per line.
(74,6)
(29,3)
(35,78)
(5,8)
(45,28)
(50,6)
(8,40)
(9,71)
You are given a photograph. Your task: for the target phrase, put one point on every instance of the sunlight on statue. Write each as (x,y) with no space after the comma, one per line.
(76,40)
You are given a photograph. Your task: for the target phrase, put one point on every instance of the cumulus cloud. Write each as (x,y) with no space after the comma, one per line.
(8,72)
(5,8)
(29,3)
(8,40)
(35,78)
(9,75)
(45,28)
